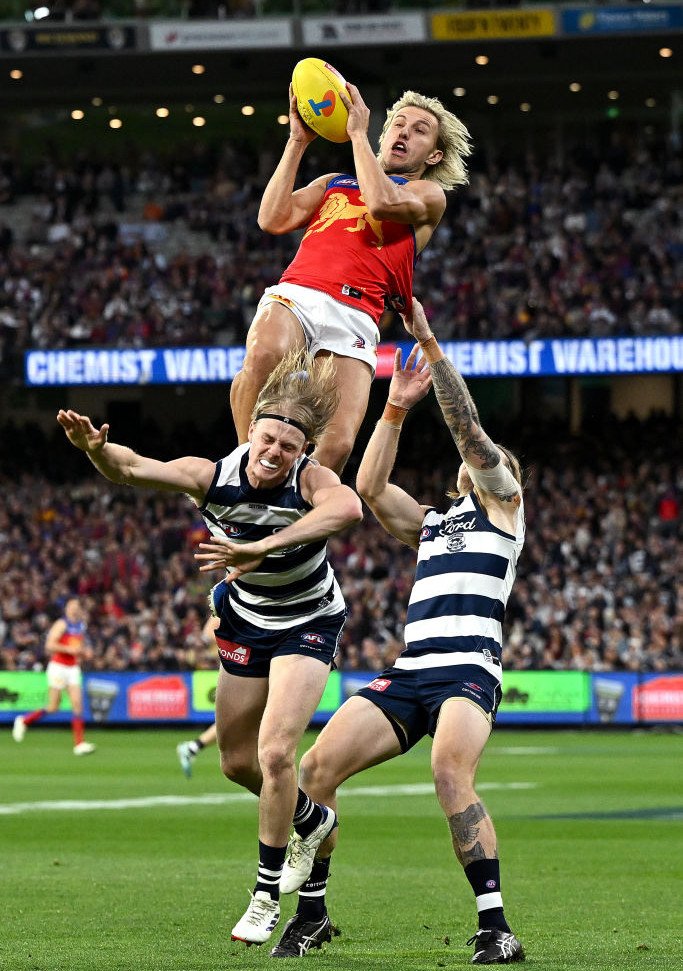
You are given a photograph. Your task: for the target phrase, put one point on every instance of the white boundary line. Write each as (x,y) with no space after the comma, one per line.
(219,799)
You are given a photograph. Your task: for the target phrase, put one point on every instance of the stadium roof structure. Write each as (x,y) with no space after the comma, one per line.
(142,63)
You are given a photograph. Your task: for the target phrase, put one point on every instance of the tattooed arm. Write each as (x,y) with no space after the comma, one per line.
(482,457)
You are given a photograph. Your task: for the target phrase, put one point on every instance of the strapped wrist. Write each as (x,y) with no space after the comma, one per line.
(393,414)
(430,348)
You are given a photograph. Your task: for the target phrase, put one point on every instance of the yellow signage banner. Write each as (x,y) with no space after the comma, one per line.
(493,24)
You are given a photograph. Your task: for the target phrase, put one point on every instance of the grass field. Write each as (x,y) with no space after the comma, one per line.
(147,871)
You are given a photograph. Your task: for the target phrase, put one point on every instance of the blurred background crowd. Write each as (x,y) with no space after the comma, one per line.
(166,250)
(598,586)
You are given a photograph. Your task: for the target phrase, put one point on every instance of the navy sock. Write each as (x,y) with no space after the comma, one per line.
(271,860)
(311,904)
(308,815)
(484,878)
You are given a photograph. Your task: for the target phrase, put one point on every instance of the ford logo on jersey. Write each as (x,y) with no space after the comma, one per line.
(453,525)
(313,638)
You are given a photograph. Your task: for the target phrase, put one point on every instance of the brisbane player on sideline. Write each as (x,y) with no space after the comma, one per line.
(364,232)
(65,644)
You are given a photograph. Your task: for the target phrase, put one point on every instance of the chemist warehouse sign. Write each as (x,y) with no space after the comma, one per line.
(202,365)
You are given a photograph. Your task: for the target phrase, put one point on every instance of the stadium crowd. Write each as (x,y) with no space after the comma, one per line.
(592,245)
(598,585)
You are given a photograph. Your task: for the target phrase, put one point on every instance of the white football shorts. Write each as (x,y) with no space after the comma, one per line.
(328,325)
(61,676)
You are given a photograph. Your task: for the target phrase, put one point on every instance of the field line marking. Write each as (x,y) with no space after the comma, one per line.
(220,798)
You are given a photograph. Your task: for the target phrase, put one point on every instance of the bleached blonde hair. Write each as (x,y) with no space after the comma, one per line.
(453,139)
(302,388)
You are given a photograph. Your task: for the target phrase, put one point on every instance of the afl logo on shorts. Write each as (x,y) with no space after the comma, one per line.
(379,684)
(231,530)
(312,638)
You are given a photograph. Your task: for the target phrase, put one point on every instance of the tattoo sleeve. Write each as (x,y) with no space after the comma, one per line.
(460,413)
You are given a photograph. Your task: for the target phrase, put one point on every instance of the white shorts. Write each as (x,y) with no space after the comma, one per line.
(328,325)
(61,676)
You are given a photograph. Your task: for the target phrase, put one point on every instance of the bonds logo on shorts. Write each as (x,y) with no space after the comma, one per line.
(312,638)
(379,684)
(230,651)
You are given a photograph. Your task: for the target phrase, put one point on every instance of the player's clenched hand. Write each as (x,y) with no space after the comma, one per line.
(298,129)
(235,558)
(359,113)
(411,383)
(416,323)
(81,432)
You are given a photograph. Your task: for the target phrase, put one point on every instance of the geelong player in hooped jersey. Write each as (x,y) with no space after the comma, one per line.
(270,510)
(447,682)
(364,232)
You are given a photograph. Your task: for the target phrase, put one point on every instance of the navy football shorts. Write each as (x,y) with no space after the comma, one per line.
(412,700)
(246,650)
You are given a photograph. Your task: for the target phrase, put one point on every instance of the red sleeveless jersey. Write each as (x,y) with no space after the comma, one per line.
(358,260)
(72,637)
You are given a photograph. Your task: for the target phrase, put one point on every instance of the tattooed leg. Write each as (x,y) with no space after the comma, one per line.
(473,835)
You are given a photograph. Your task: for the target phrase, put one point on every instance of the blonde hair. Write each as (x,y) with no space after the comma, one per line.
(453,139)
(303,389)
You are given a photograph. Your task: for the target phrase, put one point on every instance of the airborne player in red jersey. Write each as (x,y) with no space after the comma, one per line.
(363,235)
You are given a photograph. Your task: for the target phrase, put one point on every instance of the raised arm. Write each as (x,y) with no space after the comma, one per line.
(418,202)
(482,457)
(282,208)
(399,513)
(125,467)
(335,507)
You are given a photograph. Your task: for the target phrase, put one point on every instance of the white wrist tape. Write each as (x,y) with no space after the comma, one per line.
(498,481)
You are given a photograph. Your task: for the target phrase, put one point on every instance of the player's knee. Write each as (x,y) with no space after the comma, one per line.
(334,449)
(453,783)
(276,758)
(315,773)
(237,767)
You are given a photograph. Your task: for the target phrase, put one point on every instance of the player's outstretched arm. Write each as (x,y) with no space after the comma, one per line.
(334,507)
(125,467)
(282,208)
(417,203)
(398,512)
(478,451)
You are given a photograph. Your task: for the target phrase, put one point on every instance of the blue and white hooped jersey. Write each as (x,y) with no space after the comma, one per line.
(291,586)
(465,570)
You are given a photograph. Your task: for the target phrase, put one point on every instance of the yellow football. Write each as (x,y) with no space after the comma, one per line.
(316,85)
